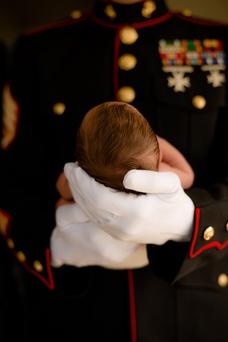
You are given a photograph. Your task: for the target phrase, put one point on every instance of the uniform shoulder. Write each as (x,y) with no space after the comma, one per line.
(199,21)
(52,34)
(58,26)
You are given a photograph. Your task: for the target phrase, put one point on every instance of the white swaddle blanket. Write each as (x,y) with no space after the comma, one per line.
(77,242)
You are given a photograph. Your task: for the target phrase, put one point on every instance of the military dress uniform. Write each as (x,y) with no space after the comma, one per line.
(172,67)
(9,290)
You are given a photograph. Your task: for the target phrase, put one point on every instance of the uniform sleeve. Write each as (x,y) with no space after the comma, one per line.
(28,196)
(3,77)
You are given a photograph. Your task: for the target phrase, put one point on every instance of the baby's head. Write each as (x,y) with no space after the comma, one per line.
(114,138)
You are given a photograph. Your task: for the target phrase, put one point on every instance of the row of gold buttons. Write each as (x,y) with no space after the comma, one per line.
(127,94)
(148,9)
(208,234)
(22,258)
(127,62)
(128,36)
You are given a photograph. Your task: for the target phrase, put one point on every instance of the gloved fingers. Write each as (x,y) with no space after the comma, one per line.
(81,184)
(156,217)
(70,213)
(95,196)
(152,182)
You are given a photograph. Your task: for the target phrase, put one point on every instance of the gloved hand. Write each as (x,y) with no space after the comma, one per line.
(163,213)
(77,242)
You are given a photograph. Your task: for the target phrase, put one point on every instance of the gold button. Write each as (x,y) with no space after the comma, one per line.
(187,12)
(148,8)
(208,233)
(127,62)
(227,226)
(199,101)
(20,256)
(223,280)
(126,94)
(38,266)
(10,243)
(128,35)
(110,12)
(76,14)
(59,108)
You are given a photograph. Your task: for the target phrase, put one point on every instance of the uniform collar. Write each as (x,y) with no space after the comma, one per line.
(142,11)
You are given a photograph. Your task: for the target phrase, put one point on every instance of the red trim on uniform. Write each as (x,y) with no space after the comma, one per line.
(197,217)
(101,22)
(49,271)
(48,282)
(132,306)
(147,23)
(212,244)
(115,64)
(154,21)
(63,23)
(200,21)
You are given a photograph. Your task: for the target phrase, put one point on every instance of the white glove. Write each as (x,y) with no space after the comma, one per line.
(77,242)
(164,213)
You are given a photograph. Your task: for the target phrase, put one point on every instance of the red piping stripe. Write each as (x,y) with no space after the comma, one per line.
(47,282)
(197,217)
(132,306)
(147,23)
(116,67)
(214,244)
(49,271)
(155,21)
(51,26)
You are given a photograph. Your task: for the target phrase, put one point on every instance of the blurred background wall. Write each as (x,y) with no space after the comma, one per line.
(19,15)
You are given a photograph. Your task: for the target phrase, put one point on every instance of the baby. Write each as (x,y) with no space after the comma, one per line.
(114,137)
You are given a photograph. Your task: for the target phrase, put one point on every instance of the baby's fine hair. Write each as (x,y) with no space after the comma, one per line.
(111,141)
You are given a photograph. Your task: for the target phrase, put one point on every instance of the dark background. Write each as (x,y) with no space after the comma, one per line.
(19,15)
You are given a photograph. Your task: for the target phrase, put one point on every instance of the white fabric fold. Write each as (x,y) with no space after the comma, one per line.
(77,242)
